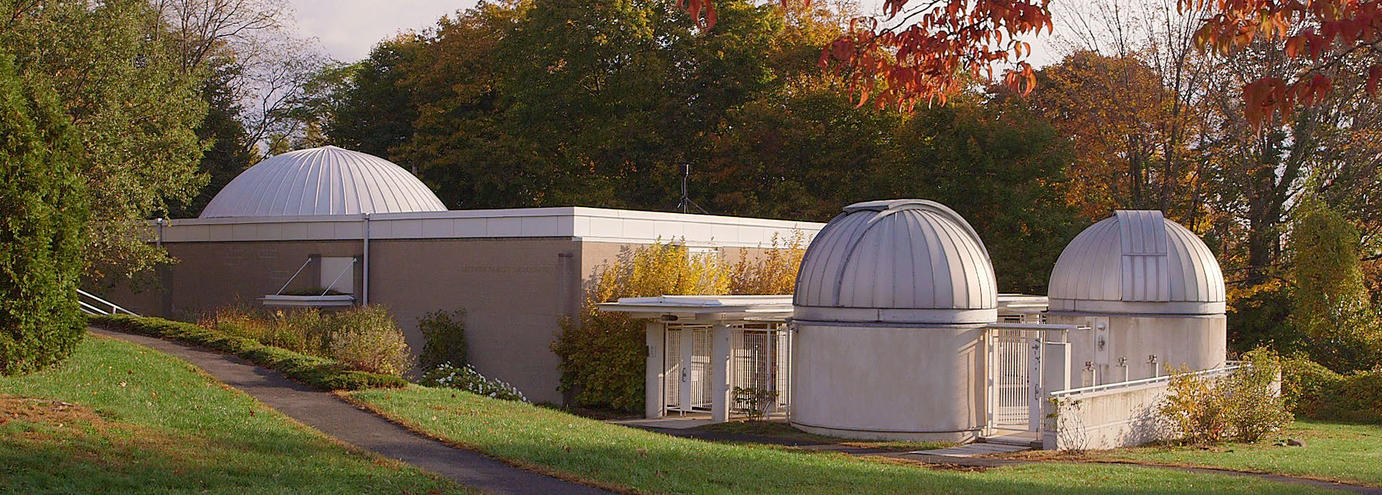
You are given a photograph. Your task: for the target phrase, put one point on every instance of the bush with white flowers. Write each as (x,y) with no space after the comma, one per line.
(468,379)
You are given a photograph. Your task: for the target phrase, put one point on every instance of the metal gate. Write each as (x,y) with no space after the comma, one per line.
(1014,359)
(688,368)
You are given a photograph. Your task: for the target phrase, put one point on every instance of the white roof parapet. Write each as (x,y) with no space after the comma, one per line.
(901,261)
(589,224)
(1137,262)
(322,181)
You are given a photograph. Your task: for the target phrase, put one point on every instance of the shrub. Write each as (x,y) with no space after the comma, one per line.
(775,272)
(315,371)
(468,379)
(444,336)
(603,354)
(1242,406)
(754,402)
(365,338)
(43,212)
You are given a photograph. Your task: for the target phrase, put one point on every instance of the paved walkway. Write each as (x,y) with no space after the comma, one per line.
(358,427)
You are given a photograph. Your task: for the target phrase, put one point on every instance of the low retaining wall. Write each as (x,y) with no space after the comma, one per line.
(1108,416)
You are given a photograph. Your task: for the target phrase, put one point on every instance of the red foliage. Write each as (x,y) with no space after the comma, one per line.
(1325,32)
(929,48)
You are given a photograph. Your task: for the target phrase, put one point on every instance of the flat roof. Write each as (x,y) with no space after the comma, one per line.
(776,307)
(588,224)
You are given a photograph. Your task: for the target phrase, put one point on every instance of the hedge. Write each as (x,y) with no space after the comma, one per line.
(322,373)
(1317,392)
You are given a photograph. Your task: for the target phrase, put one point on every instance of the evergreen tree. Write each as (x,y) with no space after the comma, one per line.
(42,218)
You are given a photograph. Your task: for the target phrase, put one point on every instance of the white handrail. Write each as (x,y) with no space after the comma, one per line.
(1110,386)
(90,308)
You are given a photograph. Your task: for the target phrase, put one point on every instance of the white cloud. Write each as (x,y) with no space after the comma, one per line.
(348,29)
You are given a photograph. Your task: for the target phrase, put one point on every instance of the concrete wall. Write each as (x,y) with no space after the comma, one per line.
(1109,419)
(889,382)
(1196,342)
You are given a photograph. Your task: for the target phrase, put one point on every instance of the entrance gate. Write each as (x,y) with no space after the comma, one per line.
(1014,360)
(688,368)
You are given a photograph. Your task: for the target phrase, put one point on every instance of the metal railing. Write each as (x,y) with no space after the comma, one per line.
(1228,367)
(93,305)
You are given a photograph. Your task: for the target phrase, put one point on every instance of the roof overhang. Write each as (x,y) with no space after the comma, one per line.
(705,307)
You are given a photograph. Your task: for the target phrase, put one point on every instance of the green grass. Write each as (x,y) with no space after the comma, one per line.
(319,372)
(1341,452)
(121,418)
(643,461)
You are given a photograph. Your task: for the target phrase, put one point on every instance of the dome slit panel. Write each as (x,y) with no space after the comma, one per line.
(322,181)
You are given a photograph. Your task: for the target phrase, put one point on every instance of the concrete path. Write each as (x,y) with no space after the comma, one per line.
(358,427)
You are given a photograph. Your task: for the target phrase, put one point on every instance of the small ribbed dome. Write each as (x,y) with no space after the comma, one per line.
(1137,262)
(322,181)
(897,261)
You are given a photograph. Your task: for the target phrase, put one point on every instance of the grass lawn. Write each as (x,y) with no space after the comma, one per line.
(634,459)
(1340,452)
(121,418)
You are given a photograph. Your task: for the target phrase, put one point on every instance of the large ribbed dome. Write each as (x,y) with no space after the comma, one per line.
(899,261)
(322,181)
(1137,262)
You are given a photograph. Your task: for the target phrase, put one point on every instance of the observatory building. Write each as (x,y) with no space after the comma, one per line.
(1150,294)
(896,329)
(890,307)
(297,224)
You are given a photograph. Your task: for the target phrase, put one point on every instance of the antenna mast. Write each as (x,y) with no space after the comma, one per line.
(686,203)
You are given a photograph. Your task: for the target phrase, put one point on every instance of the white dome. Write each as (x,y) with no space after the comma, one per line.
(1137,262)
(322,181)
(897,261)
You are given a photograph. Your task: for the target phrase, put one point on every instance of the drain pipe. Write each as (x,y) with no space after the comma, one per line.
(364,274)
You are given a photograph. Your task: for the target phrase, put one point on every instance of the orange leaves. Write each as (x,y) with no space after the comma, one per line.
(1269,97)
(932,51)
(702,12)
(1323,31)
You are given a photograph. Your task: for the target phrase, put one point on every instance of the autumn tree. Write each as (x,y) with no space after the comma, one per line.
(1331,303)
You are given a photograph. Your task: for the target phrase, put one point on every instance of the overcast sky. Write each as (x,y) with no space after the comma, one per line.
(347,29)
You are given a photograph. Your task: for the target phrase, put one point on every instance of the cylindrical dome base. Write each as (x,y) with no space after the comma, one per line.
(1133,347)
(888,382)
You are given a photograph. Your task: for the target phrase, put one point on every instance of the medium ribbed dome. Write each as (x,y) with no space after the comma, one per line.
(1137,262)
(322,181)
(902,261)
